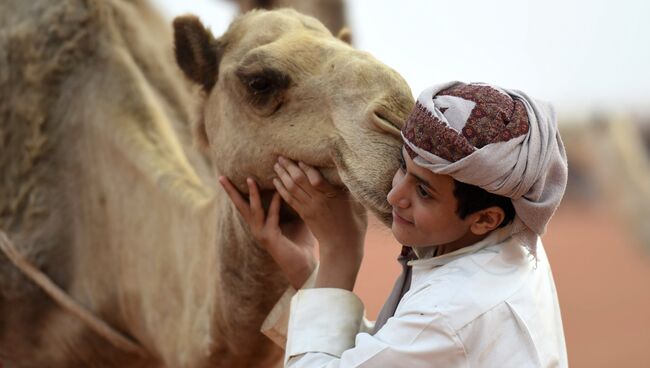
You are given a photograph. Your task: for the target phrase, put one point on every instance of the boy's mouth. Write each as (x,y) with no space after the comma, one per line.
(399,219)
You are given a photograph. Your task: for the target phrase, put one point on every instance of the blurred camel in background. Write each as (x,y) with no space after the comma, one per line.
(609,160)
(332,13)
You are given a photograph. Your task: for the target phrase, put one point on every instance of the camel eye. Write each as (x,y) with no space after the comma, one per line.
(260,84)
(263,88)
(263,82)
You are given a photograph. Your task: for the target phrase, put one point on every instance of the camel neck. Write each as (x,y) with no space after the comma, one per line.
(248,285)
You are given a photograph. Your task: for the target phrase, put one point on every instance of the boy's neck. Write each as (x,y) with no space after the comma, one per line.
(465,241)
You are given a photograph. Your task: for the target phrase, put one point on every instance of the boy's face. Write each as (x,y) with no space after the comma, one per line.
(424,209)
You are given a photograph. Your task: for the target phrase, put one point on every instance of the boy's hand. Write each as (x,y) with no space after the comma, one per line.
(292,246)
(338,221)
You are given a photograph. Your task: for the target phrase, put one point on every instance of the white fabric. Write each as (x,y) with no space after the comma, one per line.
(457,110)
(530,169)
(276,322)
(487,305)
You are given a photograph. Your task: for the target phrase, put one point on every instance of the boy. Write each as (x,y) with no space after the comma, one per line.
(483,171)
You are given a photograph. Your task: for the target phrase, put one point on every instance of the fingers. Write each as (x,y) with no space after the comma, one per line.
(305,178)
(252,211)
(273,217)
(293,179)
(284,193)
(236,198)
(257,211)
(315,178)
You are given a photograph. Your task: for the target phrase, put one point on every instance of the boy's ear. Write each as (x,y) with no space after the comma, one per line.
(197,51)
(486,220)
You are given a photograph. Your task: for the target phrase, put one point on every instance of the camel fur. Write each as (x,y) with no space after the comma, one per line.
(102,189)
(332,13)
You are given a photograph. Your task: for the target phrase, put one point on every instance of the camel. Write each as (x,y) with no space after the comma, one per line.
(330,12)
(609,158)
(102,189)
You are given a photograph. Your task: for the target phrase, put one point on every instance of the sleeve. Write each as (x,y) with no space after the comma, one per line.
(275,325)
(324,331)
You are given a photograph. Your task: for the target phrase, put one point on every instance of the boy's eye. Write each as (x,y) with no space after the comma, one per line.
(422,192)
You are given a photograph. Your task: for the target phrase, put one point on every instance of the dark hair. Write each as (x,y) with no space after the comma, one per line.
(472,198)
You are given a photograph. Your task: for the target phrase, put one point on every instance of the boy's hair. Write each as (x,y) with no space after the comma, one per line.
(472,198)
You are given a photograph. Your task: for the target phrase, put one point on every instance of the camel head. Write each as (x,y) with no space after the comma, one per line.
(279,83)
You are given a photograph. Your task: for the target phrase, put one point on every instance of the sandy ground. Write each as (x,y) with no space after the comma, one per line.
(601,273)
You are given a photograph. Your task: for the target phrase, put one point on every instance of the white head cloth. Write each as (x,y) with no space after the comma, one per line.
(531,168)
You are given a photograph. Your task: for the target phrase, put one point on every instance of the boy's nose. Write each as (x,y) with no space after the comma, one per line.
(397,196)
(403,203)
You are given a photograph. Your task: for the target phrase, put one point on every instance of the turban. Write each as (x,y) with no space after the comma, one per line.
(500,140)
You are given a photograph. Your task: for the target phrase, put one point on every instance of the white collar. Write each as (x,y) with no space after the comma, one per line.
(425,258)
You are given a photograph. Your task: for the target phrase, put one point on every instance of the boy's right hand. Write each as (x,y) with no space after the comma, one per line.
(291,246)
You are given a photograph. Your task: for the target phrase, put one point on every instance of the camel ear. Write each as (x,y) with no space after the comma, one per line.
(345,35)
(197,51)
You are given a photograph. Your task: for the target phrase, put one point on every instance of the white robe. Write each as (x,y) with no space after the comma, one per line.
(487,305)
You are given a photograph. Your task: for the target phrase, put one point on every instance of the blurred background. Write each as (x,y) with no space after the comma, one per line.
(590,58)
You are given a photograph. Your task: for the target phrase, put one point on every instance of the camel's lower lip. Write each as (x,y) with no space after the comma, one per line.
(382,210)
(331,174)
